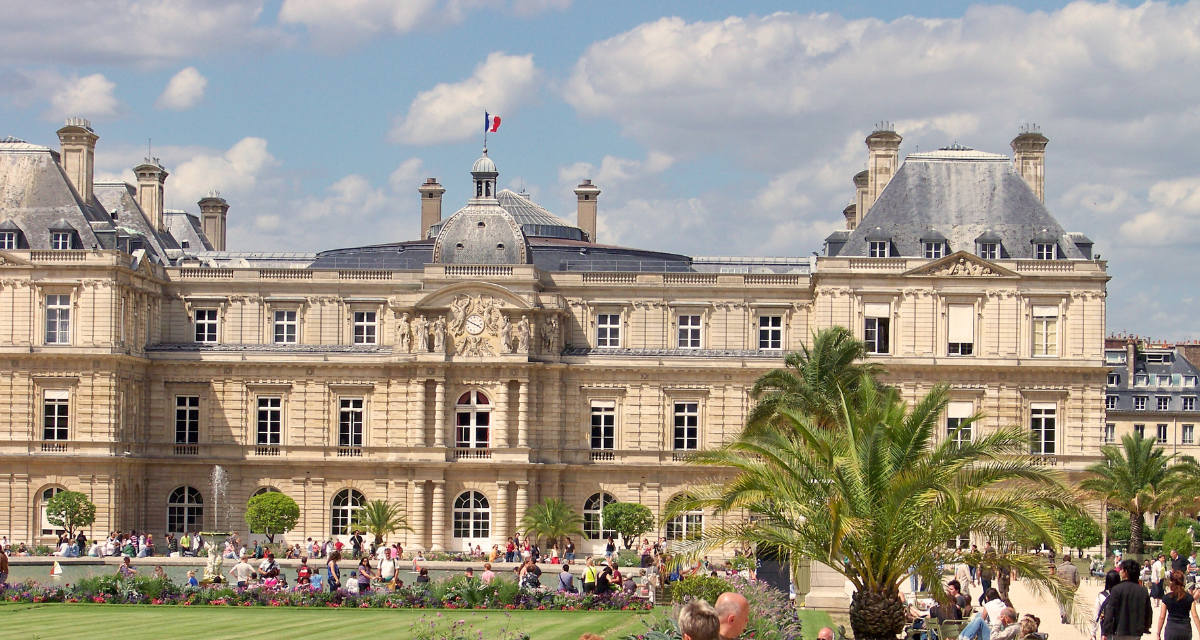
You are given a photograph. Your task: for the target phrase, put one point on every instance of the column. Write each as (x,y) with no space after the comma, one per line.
(417,513)
(522,500)
(400,494)
(439,515)
(417,424)
(500,513)
(523,416)
(439,415)
(500,418)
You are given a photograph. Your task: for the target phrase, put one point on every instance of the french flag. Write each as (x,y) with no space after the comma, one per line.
(490,122)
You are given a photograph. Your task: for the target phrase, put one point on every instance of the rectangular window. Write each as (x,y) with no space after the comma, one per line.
(1161,433)
(1110,402)
(206,325)
(876,329)
(1045,331)
(57,416)
(60,241)
(1189,403)
(1042,428)
(956,414)
(1110,433)
(285,327)
(8,239)
(270,418)
(350,423)
(1141,380)
(1189,381)
(689,332)
(608,331)
(687,425)
(121,320)
(604,424)
(934,250)
(364,327)
(1045,251)
(1139,403)
(1114,379)
(187,419)
(688,526)
(770,332)
(989,250)
(879,249)
(58,319)
(1164,380)
(961,329)
(1188,434)
(1162,403)
(1140,430)
(1114,357)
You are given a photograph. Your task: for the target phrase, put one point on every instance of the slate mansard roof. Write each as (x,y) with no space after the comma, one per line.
(1157,373)
(963,195)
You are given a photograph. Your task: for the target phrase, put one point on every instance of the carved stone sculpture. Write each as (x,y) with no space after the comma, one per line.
(439,335)
(421,335)
(505,334)
(403,333)
(523,335)
(549,334)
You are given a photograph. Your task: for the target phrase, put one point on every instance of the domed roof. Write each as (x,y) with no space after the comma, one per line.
(534,219)
(481,234)
(484,164)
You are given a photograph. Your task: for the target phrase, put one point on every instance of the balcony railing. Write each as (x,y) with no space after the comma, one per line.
(349,452)
(54,447)
(285,274)
(603,456)
(187,450)
(266,451)
(464,453)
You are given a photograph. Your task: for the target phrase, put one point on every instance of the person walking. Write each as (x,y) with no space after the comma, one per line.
(335,574)
(3,565)
(1111,579)
(1068,574)
(1127,614)
(365,573)
(1176,611)
(1157,575)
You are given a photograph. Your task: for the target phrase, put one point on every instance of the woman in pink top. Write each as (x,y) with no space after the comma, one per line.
(488,574)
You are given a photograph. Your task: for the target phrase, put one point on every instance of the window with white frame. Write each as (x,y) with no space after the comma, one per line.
(47,528)
(1110,433)
(285,326)
(1042,427)
(1162,403)
(604,424)
(344,511)
(934,250)
(608,331)
(350,422)
(1188,434)
(58,319)
(206,325)
(1114,357)
(472,516)
(879,249)
(56,414)
(1114,379)
(1045,330)
(956,415)
(989,250)
(685,526)
(593,517)
(1161,433)
(473,414)
(60,240)
(877,324)
(1164,380)
(121,320)
(1045,251)
(687,426)
(1141,380)
(1110,402)
(185,511)
(8,239)
(270,420)
(689,331)
(187,419)
(1189,381)
(364,327)
(1189,403)
(1139,403)
(1139,430)
(770,333)
(960,320)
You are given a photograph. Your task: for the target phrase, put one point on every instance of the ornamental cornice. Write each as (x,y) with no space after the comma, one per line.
(833,291)
(323,299)
(1000,294)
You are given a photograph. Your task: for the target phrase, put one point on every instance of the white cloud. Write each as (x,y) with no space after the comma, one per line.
(1173,221)
(89,97)
(184,91)
(236,171)
(453,112)
(343,23)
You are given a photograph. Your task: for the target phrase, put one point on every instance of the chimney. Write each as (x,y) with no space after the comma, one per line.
(1029,154)
(1130,361)
(431,205)
(860,197)
(151,178)
(213,211)
(851,216)
(79,154)
(883,158)
(587,194)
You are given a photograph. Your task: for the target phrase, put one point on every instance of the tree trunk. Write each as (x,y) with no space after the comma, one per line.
(877,615)
(1135,532)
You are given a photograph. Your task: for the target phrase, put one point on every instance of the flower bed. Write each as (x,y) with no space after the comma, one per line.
(455,593)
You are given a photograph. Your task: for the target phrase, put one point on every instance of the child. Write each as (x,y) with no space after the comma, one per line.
(192,582)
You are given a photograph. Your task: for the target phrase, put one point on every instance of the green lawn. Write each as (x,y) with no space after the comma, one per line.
(134,622)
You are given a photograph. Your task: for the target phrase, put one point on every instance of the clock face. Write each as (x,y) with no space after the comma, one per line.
(474,324)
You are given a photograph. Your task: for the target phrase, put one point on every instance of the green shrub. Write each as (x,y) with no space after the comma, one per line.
(629,558)
(1118,526)
(702,587)
(1179,540)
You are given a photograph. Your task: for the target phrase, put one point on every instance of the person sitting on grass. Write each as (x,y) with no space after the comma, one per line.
(698,621)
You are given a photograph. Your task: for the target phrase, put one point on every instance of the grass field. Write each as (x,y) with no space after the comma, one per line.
(134,622)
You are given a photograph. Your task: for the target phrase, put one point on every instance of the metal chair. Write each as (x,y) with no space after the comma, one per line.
(950,629)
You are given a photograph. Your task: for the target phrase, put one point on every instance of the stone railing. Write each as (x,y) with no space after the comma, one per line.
(878,264)
(69,255)
(689,278)
(602,277)
(205,273)
(770,279)
(478,271)
(1045,266)
(285,274)
(364,274)
(464,453)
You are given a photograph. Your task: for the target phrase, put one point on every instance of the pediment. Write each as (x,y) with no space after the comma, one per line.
(8,260)
(961,264)
(444,297)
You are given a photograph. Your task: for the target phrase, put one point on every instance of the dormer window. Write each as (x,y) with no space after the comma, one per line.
(934,250)
(8,239)
(879,249)
(185,244)
(1045,251)
(989,250)
(60,240)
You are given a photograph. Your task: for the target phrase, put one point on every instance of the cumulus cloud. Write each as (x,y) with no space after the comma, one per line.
(237,170)
(1173,220)
(453,112)
(89,97)
(343,23)
(184,91)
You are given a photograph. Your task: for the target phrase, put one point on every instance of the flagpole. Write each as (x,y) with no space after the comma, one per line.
(486,126)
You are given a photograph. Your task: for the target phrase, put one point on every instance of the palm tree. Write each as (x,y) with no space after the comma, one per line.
(553,519)
(811,379)
(877,495)
(1139,477)
(380,518)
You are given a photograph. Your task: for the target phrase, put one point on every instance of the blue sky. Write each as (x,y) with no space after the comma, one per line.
(712,128)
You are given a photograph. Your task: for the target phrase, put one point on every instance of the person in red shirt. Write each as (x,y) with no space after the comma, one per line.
(303,574)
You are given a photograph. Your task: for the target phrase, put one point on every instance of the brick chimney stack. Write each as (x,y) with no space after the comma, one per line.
(79,154)
(431,205)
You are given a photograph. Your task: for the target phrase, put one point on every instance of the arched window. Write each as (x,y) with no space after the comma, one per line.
(685,526)
(185,510)
(262,490)
(473,421)
(472,516)
(346,504)
(47,528)
(593,521)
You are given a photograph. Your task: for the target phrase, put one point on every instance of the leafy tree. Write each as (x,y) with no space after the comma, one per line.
(878,494)
(1118,527)
(1178,539)
(380,517)
(272,513)
(70,511)
(1079,531)
(630,520)
(552,519)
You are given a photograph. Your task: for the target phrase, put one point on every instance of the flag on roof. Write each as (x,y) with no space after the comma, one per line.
(490,122)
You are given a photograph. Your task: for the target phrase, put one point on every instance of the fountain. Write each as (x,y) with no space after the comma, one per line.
(215,540)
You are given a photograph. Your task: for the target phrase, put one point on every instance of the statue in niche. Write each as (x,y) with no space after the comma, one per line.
(439,335)
(523,335)
(403,330)
(506,329)
(549,334)
(421,334)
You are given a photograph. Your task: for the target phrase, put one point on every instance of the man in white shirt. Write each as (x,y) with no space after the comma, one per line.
(241,572)
(1156,578)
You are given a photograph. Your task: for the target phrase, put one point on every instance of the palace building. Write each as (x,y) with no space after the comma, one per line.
(502,357)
